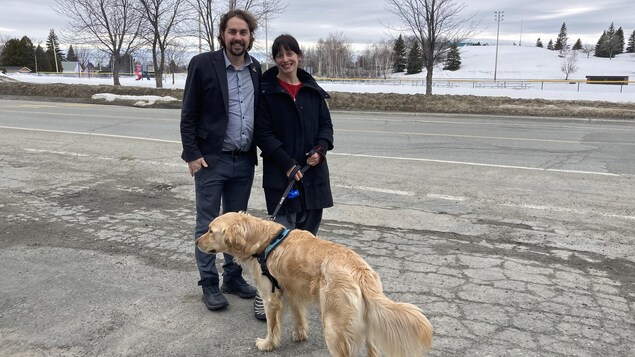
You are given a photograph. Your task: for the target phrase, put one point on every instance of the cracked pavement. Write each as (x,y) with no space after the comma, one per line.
(96,253)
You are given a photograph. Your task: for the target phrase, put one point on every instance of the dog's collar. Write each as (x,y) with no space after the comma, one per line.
(262,257)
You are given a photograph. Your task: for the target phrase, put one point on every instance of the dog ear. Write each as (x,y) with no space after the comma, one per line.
(234,236)
(240,236)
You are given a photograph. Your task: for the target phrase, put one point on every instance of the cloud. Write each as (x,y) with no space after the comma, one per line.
(567,13)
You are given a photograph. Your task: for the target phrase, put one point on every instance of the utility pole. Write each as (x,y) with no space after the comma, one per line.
(498,17)
(200,45)
(35,57)
(266,36)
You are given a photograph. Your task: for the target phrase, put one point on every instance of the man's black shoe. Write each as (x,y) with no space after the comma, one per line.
(213,298)
(238,286)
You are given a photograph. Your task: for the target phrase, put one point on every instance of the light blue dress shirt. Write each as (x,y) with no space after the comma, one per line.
(240,128)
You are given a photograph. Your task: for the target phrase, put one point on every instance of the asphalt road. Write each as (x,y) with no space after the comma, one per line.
(514,235)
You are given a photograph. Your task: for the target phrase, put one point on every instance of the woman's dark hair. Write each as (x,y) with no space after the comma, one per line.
(287,43)
(241,14)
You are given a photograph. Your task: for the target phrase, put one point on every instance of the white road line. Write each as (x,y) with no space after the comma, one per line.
(485,137)
(94,134)
(446,197)
(378,190)
(479,164)
(346,155)
(370,189)
(563,209)
(105,158)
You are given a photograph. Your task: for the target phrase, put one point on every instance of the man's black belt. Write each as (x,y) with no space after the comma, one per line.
(235,153)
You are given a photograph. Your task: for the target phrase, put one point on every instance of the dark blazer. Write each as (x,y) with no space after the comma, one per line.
(285,131)
(204,114)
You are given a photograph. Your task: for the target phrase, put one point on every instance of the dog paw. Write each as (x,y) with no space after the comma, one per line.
(300,335)
(264,345)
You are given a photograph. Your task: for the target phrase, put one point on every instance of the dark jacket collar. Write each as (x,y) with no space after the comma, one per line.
(269,82)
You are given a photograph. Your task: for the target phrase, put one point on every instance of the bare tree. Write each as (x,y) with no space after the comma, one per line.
(435,24)
(208,13)
(333,55)
(175,55)
(568,65)
(205,24)
(374,61)
(83,55)
(164,18)
(262,9)
(113,24)
(588,49)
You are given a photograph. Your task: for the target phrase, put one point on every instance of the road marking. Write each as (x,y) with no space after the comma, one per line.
(348,155)
(378,190)
(568,210)
(85,115)
(446,197)
(94,134)
(363,188)
(383,133)
(105,158)
(480,164)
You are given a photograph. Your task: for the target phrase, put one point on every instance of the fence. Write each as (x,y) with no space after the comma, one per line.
(517,84)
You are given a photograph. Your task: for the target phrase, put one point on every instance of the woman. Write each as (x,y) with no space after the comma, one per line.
(293,129)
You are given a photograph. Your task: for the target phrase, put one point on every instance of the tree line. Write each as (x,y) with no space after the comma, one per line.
(120,29)
(124,31)
(610,43)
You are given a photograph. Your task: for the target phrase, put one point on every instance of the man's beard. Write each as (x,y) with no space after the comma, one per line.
(231,50)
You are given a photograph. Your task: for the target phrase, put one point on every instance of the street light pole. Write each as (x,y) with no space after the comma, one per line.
(266,36)
(498,16)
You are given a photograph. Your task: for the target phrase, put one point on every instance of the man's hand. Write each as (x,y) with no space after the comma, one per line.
(196,165)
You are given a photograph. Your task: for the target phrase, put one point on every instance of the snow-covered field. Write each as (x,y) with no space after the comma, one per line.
(528,72)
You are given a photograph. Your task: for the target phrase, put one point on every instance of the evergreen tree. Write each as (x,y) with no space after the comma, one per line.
(610,43)
(70,55)
(561,41)
(18,53)
(399,64)
(600,47)
(550,45)
(415,59)
(453,60)
(539,43)
(619,41)
(630,47)
(43,63)
(577,45)
(53,51)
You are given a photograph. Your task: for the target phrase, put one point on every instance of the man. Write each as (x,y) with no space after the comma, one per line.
(217,120)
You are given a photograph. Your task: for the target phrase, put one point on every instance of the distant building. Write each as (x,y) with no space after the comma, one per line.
(71,67)
(14,69)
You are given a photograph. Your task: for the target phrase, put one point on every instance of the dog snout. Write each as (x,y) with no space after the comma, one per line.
(199,244)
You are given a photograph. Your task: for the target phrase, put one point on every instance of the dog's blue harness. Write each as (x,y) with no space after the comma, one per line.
(262,258)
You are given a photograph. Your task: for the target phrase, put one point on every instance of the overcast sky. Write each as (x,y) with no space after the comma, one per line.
(367,21)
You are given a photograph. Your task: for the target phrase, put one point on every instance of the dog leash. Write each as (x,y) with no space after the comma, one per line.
(290,183)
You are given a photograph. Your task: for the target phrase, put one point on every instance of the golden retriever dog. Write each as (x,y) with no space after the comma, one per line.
(309,270)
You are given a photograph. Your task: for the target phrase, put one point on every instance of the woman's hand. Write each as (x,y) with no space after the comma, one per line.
(298,174)
(314,159)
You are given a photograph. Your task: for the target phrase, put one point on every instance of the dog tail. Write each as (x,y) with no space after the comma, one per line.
(397,328)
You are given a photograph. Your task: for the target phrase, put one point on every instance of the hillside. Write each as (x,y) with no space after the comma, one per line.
(516,62)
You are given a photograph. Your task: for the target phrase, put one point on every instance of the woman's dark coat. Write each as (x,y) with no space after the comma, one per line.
(285,131)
